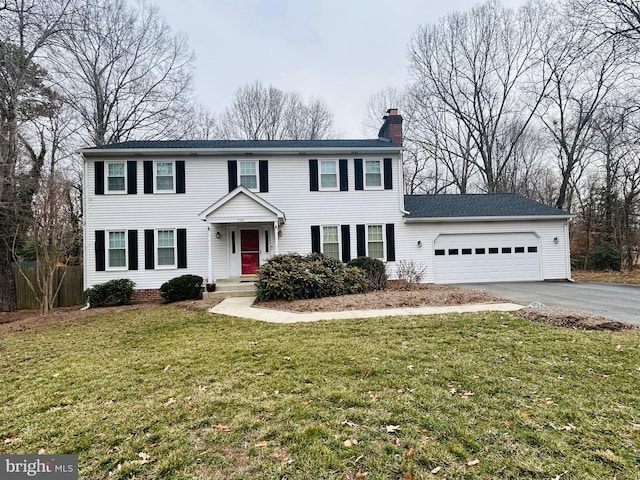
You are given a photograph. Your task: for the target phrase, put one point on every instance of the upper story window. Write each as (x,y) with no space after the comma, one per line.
(329,174)
(166,250)
(248,173)
(164,177)
(373,173)
(117,250)
(375,241)
(330,241)
(116,177)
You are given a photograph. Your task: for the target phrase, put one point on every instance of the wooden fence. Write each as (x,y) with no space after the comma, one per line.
(71,290)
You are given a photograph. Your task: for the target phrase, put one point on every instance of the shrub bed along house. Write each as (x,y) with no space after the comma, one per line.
(113,292)
(184,287)
(374,270)
(294,277)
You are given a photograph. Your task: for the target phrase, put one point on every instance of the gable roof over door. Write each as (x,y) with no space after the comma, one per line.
(242,206)
(473,207)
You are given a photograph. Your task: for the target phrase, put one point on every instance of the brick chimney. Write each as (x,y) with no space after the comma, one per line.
(392,127)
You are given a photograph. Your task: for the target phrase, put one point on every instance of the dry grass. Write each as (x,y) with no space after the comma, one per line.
(627,276)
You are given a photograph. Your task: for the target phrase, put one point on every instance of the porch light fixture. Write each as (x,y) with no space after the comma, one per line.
(217,234)
(556,241)
(419,243)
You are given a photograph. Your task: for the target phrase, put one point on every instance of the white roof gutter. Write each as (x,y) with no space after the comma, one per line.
(496,218)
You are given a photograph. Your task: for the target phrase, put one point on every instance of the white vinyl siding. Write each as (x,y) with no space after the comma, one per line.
(375,241)
(166,250)
(331,241)
(248,175)
(116,177)
(328,174)
(117,250)
(164,177)
(373,173)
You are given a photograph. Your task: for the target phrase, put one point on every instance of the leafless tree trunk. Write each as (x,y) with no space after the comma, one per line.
(26,28)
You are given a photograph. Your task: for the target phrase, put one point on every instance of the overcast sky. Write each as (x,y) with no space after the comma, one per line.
(340,50)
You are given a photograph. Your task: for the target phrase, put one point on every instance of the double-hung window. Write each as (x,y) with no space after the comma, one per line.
(373,174)
(248,173)
(164,177)
(166,241)
(375,241)
(330,241)
(116,177)
(117,250)
(329,174)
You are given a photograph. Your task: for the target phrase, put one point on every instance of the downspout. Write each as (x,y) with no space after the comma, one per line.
(209,263)
(401,182)
(567,250)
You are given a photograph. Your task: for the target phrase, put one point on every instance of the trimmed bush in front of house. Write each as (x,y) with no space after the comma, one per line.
(293,277)
(374,270)
(184,287)
(111,293)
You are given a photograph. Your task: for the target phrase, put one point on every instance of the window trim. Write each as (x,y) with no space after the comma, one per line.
(337,174)
(108,249)
(155,177)
(384,240)
(157,247)
(256,175)
(339,241)
(107,190)
(381,173)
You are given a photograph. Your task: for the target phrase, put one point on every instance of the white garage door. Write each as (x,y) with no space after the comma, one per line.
(487,257)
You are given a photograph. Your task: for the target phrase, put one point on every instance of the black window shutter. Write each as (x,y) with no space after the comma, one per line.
(147,168)
(391,243)
(315,238)
(182,248)
(180,177)
(357,163)
(149,261)
(346,243)
(263,170)
(133,249)
(99,167)
(313,175)
(132,177)
(388,177)
(361,241)
(100,251)
(344,178)
(232,168)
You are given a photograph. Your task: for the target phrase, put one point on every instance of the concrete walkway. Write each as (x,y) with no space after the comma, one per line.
(242,307)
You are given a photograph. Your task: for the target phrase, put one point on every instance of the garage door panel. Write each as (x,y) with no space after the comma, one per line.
(517,257)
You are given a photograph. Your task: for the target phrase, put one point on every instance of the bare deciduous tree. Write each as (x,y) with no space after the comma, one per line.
(261,112)
(125,72)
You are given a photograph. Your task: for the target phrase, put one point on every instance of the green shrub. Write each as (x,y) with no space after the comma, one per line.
(184,287)
(292,276)
(113,292)
(605,257)
(374,270)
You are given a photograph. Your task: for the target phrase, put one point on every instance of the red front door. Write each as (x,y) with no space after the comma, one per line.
(250,251)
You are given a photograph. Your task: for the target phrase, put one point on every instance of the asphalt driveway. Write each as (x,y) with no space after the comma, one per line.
(616,301)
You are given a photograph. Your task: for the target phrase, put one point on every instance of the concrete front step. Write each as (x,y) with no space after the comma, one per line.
(233,287)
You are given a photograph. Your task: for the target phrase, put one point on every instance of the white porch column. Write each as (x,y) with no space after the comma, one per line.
(209,261)
(276,228)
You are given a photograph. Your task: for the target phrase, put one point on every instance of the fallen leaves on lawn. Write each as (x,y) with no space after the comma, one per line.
(144,458)
(362,474)
(436,470)
(568,427)
(410,453)
(409,476)
(171,401)
(472,463)
(392,428)
(262,444)
(350,442)
(11,439)
(222,428)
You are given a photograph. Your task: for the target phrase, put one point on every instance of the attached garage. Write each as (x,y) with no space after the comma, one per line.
(487,238)
(483,257)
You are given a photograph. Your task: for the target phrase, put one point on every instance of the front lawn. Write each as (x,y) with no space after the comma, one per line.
(165,393)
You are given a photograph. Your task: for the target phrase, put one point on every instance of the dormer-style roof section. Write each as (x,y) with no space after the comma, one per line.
(241,206)
(235,147)
(478,207)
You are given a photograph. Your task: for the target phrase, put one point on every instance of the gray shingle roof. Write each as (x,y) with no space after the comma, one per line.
(476,205)
(244,144)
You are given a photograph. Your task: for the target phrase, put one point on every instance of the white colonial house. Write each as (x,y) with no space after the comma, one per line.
(155,210)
